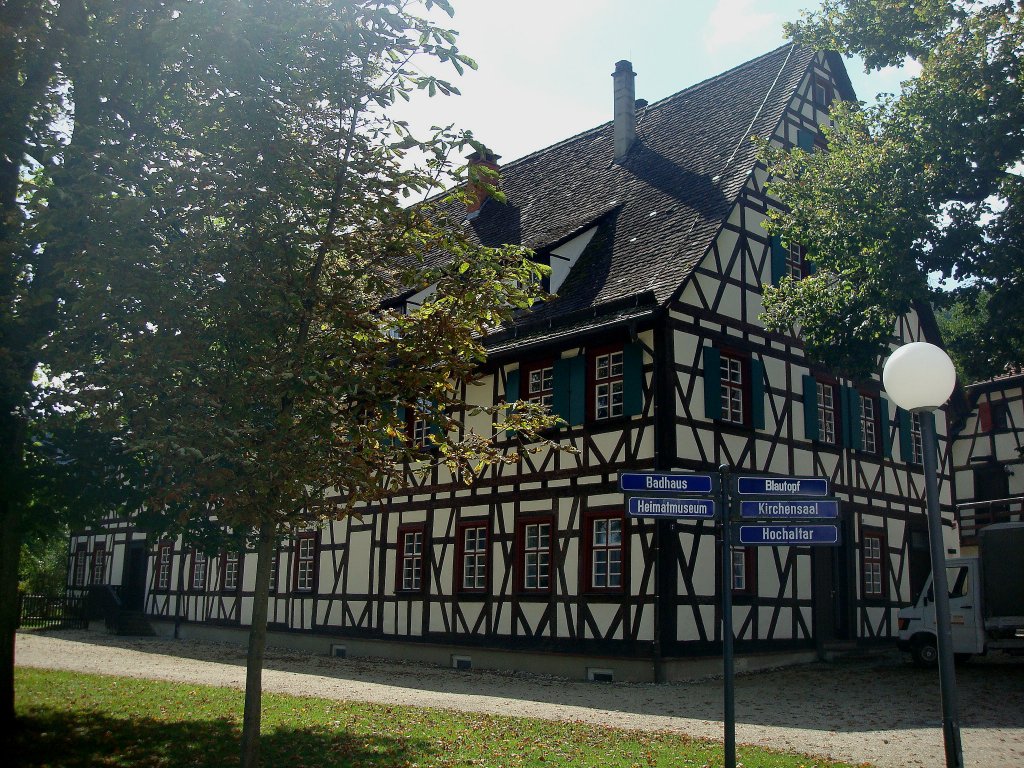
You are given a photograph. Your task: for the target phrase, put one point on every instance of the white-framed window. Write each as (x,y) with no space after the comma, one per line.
(827,413)
(536,553)
(796,263)
(872,552)
(99,564)
(199,567)
(870,439)
(916,440)
(732,390)
(606,552)
(230,580)
(540,385)
(473,563)
(81,571)
(608,385)
(410,566)
(305,562)
(163,566)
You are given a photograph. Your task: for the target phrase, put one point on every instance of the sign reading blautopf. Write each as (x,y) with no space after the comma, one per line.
(654,482)
(782,486)
(654,506)
(787,509)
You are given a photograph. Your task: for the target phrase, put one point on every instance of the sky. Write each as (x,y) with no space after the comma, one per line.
(545,65)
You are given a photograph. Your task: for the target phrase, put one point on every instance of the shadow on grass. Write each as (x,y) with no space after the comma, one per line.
(51,738)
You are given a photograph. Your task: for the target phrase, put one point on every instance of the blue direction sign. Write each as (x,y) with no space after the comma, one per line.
(789,508)
(782,486)
(661,482)
(789,535)
(655,506)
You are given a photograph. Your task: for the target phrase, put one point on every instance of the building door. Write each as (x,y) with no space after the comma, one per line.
(133,582)
(831,603)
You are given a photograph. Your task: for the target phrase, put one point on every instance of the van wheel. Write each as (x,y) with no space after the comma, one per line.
(925,652)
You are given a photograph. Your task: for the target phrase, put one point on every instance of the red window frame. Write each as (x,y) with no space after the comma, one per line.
(472,555)
(870,422)
(81,566)
(99,563)
(874,574)
(744,565)
(735,395)
(544,393)
(164,565)
(827,394)
(606,385)
(227,557)
(531,533)
(200,575)
(304,561)
(604,552)
(410,559)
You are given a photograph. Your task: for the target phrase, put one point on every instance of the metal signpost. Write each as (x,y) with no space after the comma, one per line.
(773,511)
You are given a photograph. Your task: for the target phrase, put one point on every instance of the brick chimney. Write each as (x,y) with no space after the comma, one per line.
(483,178)
(625,108)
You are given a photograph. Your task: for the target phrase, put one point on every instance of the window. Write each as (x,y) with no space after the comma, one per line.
(915,438)
(99,564)
(539,380)
(732,387)
(535,550)
(827,421)
(870,429)
(81,571)
(823,93)
(872,565)
(163,566)
(200,565)
(604,552)
(608,385)
(472,556)
(993,416)
(274,563)
(744,564)
(305,561)
(796,264)
(410,559)
(229,576)
(419,431)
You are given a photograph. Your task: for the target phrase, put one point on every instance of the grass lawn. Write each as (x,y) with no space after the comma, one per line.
(72,719)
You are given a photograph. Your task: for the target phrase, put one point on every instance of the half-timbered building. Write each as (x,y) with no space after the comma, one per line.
(654,356)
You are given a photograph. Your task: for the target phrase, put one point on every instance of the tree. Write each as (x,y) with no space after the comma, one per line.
(214,202)
(926,183)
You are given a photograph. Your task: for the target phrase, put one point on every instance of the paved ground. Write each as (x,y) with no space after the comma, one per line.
(881,711)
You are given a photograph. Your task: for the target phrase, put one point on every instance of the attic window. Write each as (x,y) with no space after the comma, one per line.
(823,93)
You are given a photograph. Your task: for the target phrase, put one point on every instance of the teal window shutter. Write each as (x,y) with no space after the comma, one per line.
(633,379)
(577,390)
(712,383)
(906,444)
(805,140)
(883,420)
(756,394)
(778,260)
(512,386)
(811,431)
(561,397)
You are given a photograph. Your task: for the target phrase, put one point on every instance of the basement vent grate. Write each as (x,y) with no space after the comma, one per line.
(339,651)
(598,675)
(462,662)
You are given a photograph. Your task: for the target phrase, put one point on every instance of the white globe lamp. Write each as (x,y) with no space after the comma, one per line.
(919,376)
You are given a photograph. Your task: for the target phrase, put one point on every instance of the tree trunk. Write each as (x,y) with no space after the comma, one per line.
(257,645)
(10,554)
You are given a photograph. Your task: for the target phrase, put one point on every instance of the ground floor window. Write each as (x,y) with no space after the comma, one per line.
(534,537)
(604,552)
(472,556)
(410,559)
(229,576)
(199,568)
(744,570)
(873,564)
(163,566)
(305,562)
(99,564)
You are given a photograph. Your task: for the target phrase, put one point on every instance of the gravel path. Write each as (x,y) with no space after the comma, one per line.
(881,711)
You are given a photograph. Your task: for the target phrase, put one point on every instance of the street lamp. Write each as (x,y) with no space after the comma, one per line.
(919,378)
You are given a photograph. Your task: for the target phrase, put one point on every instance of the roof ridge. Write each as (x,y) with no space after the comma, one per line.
(687,90)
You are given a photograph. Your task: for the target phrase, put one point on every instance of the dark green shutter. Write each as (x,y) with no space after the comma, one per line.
(856,438)
(756,394)
(805,140)
(569,389)
(906,444)
(511,393)
(779,253)
(883,420)
(512,386)
(633,379)
(811,408)
(577,390)
(561,397)
(712,383)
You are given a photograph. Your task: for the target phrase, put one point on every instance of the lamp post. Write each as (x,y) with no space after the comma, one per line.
(919,377)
